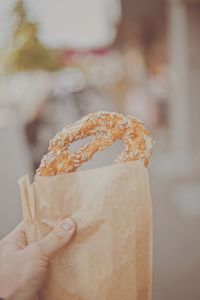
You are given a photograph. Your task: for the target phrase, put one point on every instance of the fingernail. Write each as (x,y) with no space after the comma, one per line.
(68,224)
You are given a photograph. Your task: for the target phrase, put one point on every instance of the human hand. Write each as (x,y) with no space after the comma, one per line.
(23,267)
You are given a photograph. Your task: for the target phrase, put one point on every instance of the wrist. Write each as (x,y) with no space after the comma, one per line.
(6,294)
(10,286)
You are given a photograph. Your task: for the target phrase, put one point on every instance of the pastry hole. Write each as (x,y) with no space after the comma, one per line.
(75,146)
(105,157)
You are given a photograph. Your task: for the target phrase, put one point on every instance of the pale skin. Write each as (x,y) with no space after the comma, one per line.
(23,267)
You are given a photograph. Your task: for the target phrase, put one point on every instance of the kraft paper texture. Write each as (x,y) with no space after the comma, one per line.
(110,257)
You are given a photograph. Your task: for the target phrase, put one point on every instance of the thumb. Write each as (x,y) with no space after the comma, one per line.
(59,237)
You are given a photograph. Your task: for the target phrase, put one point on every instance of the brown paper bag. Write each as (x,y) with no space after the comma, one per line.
(111,256)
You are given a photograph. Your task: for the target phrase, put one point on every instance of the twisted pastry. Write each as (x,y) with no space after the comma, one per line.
(107,128)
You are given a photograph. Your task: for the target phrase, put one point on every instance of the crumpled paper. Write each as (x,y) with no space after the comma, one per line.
(110,258)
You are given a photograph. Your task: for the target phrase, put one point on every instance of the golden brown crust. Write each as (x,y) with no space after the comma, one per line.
(108,128)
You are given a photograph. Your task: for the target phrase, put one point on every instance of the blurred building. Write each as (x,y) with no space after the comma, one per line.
(169,34)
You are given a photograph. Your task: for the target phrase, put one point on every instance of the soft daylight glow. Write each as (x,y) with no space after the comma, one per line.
(76,23)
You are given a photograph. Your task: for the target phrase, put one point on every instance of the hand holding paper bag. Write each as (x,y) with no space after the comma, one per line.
(23,267)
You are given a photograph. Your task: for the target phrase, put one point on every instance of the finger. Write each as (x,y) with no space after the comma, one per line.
(59,237)
(18,235)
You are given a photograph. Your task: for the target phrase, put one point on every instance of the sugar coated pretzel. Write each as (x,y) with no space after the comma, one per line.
(107,128)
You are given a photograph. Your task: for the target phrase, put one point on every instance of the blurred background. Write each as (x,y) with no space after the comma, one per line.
(60,60)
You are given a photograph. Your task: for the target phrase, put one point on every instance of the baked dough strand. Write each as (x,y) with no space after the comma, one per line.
(106,127)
